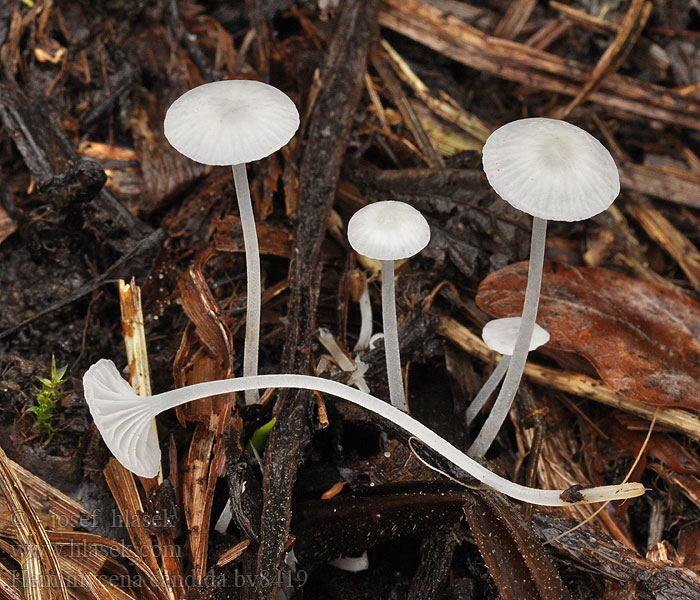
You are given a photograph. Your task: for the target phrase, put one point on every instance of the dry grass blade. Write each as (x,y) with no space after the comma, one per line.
(195,494)
(515,18)
(584,19)
(32,574)
(77,552)
(625,480)
(232,553)
(411,121)
(668,237)
(134,337)
(82,538)
(681,187)
(123,487)
(37,553)
(574,383)
(689,485)
(448,109)
(79,576)
(9,588)
(627,35)
(62,510)
(83,578)
(634,253)
(198,492)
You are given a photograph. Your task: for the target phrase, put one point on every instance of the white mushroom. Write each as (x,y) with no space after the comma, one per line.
(552,170)
(125,426)
(124,419)
(500,335)
(232,123)
(388,231)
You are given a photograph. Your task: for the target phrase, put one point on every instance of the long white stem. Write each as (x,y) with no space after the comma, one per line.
(252,263)
(488,388)
(391,337)
(511,382)
(173,398)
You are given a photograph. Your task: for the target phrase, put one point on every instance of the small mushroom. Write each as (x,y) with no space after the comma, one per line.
(124,420)
(551,170)
(389,231)
(500,335)
(233,123)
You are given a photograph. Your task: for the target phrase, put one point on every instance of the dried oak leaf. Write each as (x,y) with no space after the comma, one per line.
(641,338)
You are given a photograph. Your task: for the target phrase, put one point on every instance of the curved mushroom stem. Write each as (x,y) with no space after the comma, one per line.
(252,263)
(511,381)
(391,338)
(488,388)
(103,387)
(366,321)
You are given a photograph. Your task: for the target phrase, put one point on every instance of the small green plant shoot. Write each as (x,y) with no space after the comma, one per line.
(47,398)
(259,437)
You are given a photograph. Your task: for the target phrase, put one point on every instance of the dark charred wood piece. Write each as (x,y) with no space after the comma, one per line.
(329,132)
(436,553)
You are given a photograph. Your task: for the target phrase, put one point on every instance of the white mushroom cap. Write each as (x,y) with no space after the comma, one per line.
(551,169)
(231,122)
(500,335)
(388,231)
(124,419)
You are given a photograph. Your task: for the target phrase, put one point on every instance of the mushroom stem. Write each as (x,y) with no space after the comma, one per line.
(366,321)
(488,389)
(252,263)
(102,378)
(391,338)
(511,382)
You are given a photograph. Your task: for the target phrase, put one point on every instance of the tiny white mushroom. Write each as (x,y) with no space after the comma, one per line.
(353,564)
(500,335)
(232,123)
(552,170)
(389,231)
(123,419)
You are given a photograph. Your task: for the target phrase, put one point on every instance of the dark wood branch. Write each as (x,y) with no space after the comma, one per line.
(329,132)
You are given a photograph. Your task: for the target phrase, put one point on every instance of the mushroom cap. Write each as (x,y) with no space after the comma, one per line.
(500,335)
(124,419)
(231,122)
(388,230)
(550,169)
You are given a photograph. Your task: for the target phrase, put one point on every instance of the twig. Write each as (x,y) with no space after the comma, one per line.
(534,68)
(339,95)
(627,35)
(574,383)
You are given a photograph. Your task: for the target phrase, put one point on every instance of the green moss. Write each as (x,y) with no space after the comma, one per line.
(46,400)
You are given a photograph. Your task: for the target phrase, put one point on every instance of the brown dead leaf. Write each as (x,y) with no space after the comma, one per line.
(642,339)
(201,308)
(660,446)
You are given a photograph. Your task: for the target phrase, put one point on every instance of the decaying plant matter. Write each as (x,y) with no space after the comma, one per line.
(396,99)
